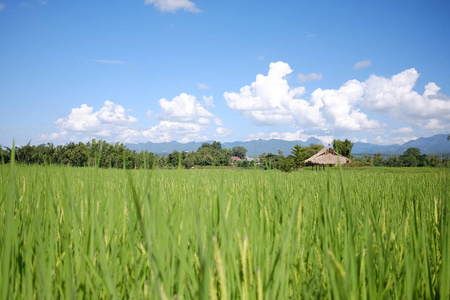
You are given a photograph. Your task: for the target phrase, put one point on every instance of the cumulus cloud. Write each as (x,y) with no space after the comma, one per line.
(338,107)
(362,64)
(105,120)
(173,5)
(396,96)
(83,123)
(181,119)
(309,77)
(269,100)
(165,131)
(184,108)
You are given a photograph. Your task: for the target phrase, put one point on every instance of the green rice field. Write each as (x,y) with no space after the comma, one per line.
(350,233)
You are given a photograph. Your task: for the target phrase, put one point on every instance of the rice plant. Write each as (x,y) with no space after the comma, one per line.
(94,233)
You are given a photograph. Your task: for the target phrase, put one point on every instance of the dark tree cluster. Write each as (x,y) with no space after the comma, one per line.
(343,148)
(293,161)
(209,154)
(105,155)
(410,158)
(91,154)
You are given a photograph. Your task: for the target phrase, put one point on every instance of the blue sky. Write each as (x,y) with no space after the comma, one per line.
(179,70)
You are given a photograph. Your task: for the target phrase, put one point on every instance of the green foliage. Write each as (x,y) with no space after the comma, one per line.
(343,147)
(411,158)
(210,155)
(239,151)
(303,153)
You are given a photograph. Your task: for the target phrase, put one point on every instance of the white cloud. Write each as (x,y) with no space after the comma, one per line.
(355,140)
(269,100)
(403,130)
(83,123)
(362,64)
(338,106)
(107,119)
(165,131)
(80,119)
(208,100)
(222,131)
(395,140)
(396,96)
(53,136)
(309,77)
(184,108)
(114,114)
(203,86)
(149,113)
(173,5)
(182,119)
(434,124)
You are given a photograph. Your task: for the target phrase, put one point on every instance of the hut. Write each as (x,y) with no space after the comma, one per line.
(326,156)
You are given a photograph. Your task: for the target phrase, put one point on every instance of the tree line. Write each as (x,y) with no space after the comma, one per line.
(105,155)
(410,158)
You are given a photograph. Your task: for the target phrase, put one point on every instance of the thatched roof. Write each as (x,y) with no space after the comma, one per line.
(327,156)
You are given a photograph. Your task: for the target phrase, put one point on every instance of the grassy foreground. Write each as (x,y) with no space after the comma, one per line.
(69,233)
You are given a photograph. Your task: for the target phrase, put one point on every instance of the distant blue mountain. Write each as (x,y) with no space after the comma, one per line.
(436,144)
(254,148)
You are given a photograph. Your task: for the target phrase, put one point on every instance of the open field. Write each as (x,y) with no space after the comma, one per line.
(224,234)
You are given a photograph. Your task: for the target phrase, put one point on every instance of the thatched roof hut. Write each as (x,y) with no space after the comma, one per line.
(327,156)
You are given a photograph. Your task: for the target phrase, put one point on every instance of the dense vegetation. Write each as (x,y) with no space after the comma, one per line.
(105,155)
(224,234)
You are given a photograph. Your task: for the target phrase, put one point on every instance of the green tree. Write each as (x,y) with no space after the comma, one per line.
(189,160)
(239,151)
(343,147)
(174,159)
(377,159)
(5,155)
(300,154)
(412,158)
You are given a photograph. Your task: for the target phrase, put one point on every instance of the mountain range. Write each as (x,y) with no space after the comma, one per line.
(436,144)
